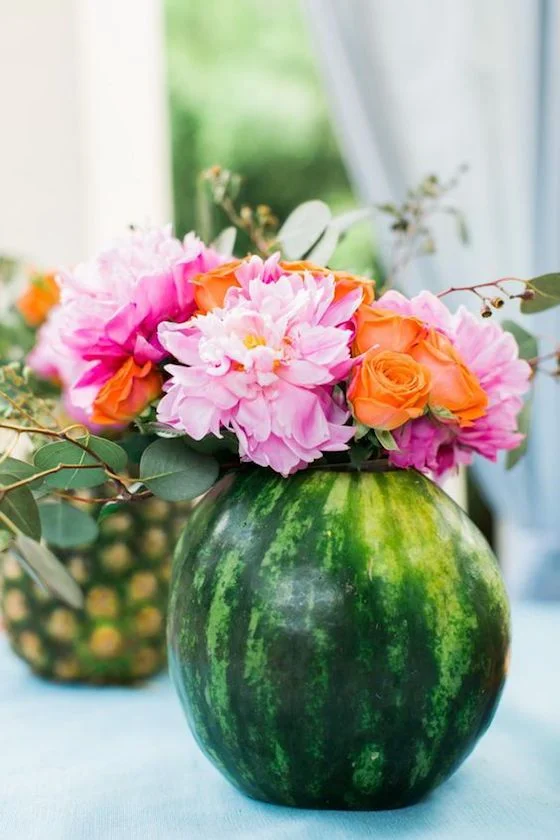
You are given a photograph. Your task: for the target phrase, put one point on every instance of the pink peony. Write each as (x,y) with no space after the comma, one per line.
(111,307)
(264,367)
(492,355)
(50,357)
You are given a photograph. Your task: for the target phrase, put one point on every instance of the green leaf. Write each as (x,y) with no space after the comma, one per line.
(224,243)
(547,288)
(303,227)
(337,227)
(66,526)
(361,430)
(212,445)
(64,452)
(109,508)
(386,440)
(523,426)
(441,412)
(135,444)
(162,430)
(49,572)
(360,453)
(20,507)
(176,473)
(325,247)
(21,470)
(527,343)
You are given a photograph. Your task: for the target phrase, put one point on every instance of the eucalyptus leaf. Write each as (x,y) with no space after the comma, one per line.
(6,537)
(325,247)
(20,507)
(64,452)
(224,243)
(386,440)
(547,294)
(303,227)
(49,572)
(176,473)
(109,508)
(347,220)
(337,227)
(66,526)
(135,444)
(20,469)
(523,426)
(162,430)
(527,343)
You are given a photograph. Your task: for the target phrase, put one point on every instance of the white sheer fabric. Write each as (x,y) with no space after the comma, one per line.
(421,87)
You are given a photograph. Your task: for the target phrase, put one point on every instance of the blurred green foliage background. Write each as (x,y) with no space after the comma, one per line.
(245,94)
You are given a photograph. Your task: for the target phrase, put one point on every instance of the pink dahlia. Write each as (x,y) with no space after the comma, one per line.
(264,366)
(111,308)
(492,355)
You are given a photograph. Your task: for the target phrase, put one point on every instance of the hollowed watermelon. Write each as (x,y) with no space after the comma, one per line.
(338,639)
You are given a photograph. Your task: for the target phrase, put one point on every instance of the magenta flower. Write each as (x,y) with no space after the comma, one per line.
(264,366)
(111,306)
(492,355)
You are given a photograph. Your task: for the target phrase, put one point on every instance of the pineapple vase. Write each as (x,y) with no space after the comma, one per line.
(119,635)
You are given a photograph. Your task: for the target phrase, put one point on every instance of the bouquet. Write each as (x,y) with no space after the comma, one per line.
(205,363)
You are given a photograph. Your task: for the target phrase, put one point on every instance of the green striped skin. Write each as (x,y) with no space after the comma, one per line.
(337,639)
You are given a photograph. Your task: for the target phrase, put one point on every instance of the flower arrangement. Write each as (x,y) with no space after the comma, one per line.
(208,362)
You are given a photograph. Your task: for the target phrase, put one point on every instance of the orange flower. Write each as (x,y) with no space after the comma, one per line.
(388,388)
(127,393)
(383,329)
(212,286)
(344,281)
(38,299)
(454,386)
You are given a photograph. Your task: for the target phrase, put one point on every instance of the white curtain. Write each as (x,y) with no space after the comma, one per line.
(417,88)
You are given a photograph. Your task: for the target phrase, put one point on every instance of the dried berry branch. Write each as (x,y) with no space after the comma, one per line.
(496,301)
(410,221)
(259,224)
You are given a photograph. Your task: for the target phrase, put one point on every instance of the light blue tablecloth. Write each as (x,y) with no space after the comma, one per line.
(115,764)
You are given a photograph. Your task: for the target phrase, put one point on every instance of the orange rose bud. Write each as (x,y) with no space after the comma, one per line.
(127,393)
(454,386)
(211,288)
(383,329)
(344,281)
(348,282)
(387,389)
(38,299)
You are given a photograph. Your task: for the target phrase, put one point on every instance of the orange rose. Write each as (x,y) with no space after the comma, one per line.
(212,286)
(127,393)
(38,299)
(388,388)
(383,329)
(344,281)
(454,386)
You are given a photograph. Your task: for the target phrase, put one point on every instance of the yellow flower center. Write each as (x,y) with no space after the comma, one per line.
(252,341)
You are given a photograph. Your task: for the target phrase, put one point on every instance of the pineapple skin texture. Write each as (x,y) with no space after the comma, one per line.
(119,635)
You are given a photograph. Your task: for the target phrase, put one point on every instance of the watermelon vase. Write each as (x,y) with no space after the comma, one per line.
(338,639)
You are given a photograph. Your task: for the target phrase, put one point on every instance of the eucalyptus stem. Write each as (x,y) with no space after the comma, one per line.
(8,523)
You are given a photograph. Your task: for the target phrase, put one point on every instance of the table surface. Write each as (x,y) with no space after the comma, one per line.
(120,764)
